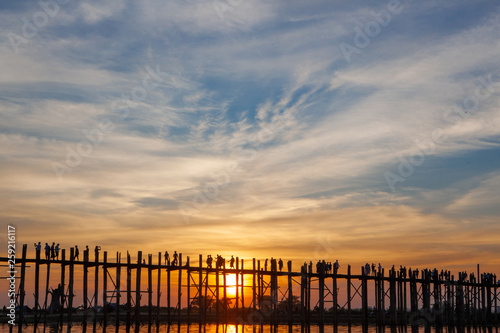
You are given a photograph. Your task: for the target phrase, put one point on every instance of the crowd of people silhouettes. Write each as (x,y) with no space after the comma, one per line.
(52,253)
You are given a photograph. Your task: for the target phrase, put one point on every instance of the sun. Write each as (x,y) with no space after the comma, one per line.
(231,285)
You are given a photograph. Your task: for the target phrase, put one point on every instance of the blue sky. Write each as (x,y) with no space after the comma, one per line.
(299,129)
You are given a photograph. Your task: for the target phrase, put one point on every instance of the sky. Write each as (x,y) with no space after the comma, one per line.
(364,131)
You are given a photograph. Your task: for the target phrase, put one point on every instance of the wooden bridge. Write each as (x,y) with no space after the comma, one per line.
(246,295)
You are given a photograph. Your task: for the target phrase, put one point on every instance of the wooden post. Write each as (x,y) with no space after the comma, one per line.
(225,303)
(404,308)
(449,309)
(206,305)
(259,282)
(274,290)
(399,298)
(413,300)
(321,294)
(334,297)
(495,283)
(303,293)
(138,289)
(437,300)
(37,286)
(290,293)
(378,298)
(200,289)
(382,297)
(118,275)
(309,280)
(70,284)
(475,298)
(105,286)
(460,302)
(349,312)
(188,271)
(453,292)
(129,289)
(242,286)
(150,288)
(158,290)
(237,301)
(217,301)
(85,286)
(254,291)
(47,282)
(63,284)
(392,293)
(22,292)
(426,290)
(364,295)
(488,299)
(179,290)
(483,299)
(168,294)
(96,283)
(237,284)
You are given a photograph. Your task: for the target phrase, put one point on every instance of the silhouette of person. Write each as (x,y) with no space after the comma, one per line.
(167,257)
(96,250)
(218,263)
(174,262)
(77,253)
(379,268)
(38,247)
(231,262)
(336,266)
(53,250)
(374,272)
(280,264)
(367,269)
(209,261)
(86,253)
(57,251)
(274,266)
(47,251)
(265,265)
(144,261)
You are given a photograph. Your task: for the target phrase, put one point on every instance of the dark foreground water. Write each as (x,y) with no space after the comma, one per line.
(228,328)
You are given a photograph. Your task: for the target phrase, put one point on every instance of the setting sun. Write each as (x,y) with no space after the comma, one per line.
(230,284)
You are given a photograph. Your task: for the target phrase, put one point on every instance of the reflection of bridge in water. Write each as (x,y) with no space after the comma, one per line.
(247,295)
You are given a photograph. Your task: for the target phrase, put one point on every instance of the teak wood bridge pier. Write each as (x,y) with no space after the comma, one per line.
(244,295)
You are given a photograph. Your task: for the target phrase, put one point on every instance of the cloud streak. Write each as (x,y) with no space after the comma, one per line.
(250,119)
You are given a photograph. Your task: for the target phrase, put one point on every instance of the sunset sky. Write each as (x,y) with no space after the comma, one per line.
(364,131)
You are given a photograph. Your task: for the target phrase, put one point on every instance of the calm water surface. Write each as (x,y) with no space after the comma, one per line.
(212,328)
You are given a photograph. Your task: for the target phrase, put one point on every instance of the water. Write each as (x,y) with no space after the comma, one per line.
(229,328)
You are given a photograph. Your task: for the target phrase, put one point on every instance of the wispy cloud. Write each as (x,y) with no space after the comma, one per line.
(256,121)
